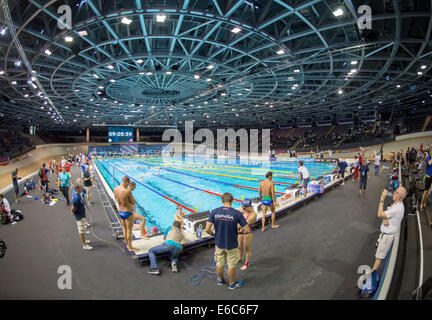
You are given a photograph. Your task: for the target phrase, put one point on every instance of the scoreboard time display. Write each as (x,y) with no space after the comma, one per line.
(120,134)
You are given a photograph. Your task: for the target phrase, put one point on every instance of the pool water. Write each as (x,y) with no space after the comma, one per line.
(196,184)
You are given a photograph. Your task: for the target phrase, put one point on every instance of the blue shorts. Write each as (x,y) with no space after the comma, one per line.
(267,202)
(124,215)
(363,183)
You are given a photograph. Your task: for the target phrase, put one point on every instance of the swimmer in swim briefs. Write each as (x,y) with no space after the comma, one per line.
(125,201)
(267,192)
(137,217)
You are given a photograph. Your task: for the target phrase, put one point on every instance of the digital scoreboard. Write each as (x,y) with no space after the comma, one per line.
(120,134)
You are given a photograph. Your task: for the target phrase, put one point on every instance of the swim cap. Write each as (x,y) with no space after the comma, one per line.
(247,202)
(154,230)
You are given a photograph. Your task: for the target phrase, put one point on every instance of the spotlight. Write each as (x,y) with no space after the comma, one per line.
(68,39)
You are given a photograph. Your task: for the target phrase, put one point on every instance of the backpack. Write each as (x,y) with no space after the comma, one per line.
(17,215)
(40,174)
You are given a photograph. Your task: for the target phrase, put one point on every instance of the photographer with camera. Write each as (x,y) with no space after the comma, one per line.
(428,179)
(391,220)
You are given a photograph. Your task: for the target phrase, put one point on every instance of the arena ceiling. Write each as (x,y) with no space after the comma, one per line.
(222,63)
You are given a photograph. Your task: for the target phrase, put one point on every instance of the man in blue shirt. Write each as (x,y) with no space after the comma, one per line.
(364,175)
(64,181)
(225,220)
(15,184)
(342,166)
(78,211)
(428,178)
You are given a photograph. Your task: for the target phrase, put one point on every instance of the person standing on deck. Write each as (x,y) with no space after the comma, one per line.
(15,184)
(267,193)
(377,164)
(303,176)
(125,201)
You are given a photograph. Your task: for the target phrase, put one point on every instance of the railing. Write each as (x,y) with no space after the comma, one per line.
(390,262)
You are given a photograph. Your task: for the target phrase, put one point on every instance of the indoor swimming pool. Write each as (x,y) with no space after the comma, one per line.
(197,184)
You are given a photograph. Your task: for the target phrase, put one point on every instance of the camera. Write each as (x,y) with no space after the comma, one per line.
(394,183)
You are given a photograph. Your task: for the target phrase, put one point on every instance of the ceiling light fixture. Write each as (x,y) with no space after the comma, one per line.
(338,12)
(83,33)
(126,20)
(68,39)
(47,52)
(235,30)
(160,18)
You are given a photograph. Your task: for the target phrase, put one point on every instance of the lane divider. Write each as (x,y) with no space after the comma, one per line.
(217,181)
(224,175)
(151,189)
(199,189)
(315,171)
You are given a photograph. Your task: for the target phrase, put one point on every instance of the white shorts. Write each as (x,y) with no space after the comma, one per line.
(81,224)
(385,242)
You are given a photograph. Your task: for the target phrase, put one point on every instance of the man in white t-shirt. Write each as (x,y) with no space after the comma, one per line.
(392,219)
(377,160)
(304,176)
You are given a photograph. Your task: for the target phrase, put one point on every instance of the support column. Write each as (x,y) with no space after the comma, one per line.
(137,135)
(88,135)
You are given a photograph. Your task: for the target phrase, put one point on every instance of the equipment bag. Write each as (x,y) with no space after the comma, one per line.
(4,219)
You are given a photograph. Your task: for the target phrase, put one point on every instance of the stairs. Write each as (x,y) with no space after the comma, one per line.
(290,133)
(297,143)
(330,131)
(426,123)
(340,142)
